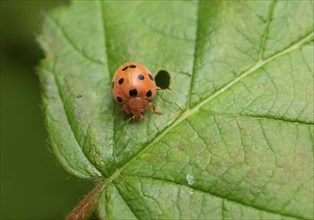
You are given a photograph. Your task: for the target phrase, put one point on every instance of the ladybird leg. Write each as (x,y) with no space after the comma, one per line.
(155,109)
(132,118)
(158,88)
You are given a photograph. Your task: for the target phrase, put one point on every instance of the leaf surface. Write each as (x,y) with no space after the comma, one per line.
(236,137)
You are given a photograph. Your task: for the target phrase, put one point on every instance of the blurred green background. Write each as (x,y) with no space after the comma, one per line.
(33,186)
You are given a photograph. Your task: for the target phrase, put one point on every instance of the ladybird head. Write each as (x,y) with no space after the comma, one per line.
(136,106)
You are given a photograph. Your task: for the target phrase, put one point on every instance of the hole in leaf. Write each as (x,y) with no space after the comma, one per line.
(162,79)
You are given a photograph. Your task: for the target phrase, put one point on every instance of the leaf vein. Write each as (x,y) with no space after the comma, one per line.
(68,117)
(105,36)
(131,208)
(264,38)
(216,195)
(197,34)
(286,120)
(71,42)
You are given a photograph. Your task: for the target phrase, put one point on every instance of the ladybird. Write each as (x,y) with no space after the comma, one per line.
(133,87)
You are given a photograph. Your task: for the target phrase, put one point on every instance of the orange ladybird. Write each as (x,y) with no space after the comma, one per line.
(134,87)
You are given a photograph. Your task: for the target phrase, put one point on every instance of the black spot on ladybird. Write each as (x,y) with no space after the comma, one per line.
(149,93)
(151,77)
(112,84)
(132,66)
(121,81)
(133,92)
(119,99)
(125,68)
(140,77)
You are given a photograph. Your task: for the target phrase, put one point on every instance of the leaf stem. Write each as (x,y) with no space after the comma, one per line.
(86,207)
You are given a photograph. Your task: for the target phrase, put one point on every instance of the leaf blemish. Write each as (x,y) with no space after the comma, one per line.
(190,179)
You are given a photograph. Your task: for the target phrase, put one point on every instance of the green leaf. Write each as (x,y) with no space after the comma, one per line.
(236,138)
